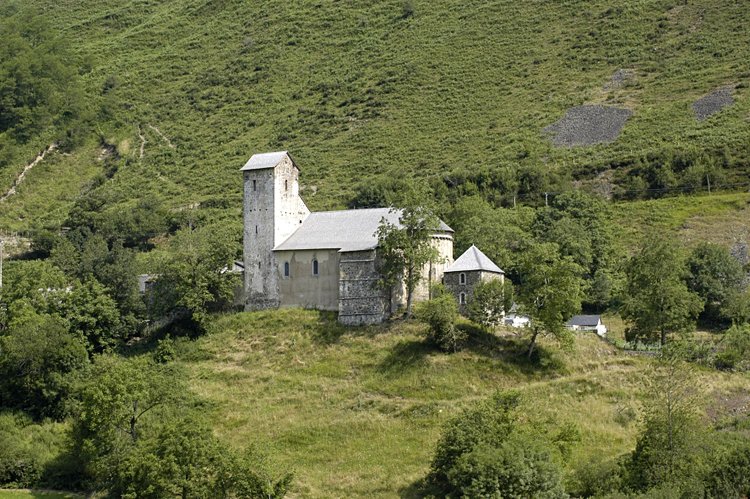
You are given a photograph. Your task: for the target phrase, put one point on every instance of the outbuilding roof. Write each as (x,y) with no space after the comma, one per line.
(344,230)
(265,160)
(584,320)
(474,259)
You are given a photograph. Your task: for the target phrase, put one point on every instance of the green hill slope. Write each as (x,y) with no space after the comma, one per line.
(187,90)
(357,413)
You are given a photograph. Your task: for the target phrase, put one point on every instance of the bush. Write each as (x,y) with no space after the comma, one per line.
(490,301)
(165,351)
(489,423)
(731,476)
(26,449)
(407,9)
(37,366)
(518,468)
(440,314)
(734,352)
(597,478)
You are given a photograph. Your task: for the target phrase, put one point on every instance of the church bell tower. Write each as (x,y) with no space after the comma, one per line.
(272,211)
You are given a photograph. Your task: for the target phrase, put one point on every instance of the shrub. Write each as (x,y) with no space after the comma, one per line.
(490,301)
(597,478)
(26,449)
(489,423)
(440,314)
(730,477)
(165,351)
(518,468)
(407,9)
(734,352)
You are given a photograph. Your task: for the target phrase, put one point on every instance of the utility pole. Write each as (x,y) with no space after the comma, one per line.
(708,181)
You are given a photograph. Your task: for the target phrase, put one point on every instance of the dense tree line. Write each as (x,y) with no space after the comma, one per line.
(66,319)
(40,92)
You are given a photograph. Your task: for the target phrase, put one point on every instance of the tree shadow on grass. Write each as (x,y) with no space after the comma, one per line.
(326,330)
(405,356)
(418,489)
(511,349)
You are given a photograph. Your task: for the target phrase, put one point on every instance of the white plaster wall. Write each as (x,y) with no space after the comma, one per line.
(302,288)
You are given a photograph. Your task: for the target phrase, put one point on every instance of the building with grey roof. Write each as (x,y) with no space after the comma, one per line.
(324,260)
(466,272)
(587,323)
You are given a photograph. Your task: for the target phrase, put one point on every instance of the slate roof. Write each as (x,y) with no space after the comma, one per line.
(584,320)
(345,230)
(473,259)
(265,160)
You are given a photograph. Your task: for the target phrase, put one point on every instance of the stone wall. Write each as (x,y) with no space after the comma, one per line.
(433,272)
(360,300)
(272,211)
(452,281)
(261,286)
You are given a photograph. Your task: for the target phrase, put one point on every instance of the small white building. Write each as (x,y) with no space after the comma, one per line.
(587,323)
(516,320)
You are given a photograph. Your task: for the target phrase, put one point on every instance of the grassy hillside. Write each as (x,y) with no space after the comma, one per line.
(358,90)
(358,412)
(37,494)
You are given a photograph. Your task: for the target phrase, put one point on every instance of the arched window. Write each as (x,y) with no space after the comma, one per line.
(462,298)
(462,278)
(315,267)
(286,269)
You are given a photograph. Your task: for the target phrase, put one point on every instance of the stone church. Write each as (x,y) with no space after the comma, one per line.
(323,260)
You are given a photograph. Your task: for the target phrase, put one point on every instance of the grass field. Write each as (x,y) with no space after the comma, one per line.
(37,494)
(722,218)
(357,412)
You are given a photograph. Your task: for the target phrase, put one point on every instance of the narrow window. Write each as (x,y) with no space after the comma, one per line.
(462,298)
(461,277)
(315,267)
(258,265)
(256,231)
(286,185)
(255,185)
(286,269)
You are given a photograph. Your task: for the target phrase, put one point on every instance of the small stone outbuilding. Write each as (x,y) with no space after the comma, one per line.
(466,272)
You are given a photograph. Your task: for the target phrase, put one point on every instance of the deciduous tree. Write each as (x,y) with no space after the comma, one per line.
(658,301)
(405,248)
(193,279)
(490,301)
(549,291)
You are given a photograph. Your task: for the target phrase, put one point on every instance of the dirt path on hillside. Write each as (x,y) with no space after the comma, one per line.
(21,176)
(164,137)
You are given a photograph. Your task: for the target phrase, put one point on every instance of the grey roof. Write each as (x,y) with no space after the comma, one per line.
(345,230)
(473,259)
(265,160)
(584,320)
